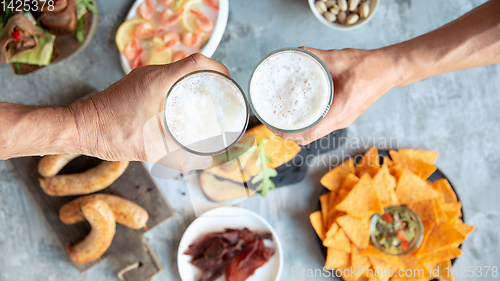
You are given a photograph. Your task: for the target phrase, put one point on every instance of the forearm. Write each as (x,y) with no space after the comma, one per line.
(472,40)
(32,130)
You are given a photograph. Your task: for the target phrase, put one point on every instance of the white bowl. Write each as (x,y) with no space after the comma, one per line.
(219,18)
(217,220)
(343,27)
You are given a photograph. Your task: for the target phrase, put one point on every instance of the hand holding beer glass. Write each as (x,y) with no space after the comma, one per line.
(125,121)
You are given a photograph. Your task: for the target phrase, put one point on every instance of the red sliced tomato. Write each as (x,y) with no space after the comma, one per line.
(401,235)
(404,245)
(16,35)
(387,217)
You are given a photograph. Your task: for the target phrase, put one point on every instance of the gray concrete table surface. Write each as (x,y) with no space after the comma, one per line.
(456,114)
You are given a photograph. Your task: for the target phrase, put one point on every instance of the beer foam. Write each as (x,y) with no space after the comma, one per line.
(290,90)
(203,106)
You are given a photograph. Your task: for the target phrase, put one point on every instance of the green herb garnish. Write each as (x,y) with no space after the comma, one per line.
(17,67)
(90,6)
(80,31)
(266,173)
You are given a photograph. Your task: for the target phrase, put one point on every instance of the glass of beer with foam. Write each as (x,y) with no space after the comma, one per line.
(206,112)
(290,90)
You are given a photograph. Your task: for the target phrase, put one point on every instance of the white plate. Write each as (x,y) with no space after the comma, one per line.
(217,220)
(218,17)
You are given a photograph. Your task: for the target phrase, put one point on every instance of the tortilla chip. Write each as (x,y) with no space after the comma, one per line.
(343,194)
(456,207)
(444,271)
(452,211)
(345,273)
(446,191)
(403,162)
(425,156)
(358,230)
(419,270)
(369,163)
(411,188)
(358,260)
(349,182)
(378,268)
(441,216)
(362,201)
(375,255)
(385,184)
(463,228)
(336,258)
(338,241)
(442,237)
(317,223)
(332,230)
(441,256)
(334,178)
(387,161)
(428,227)
(424,209)
(324,203)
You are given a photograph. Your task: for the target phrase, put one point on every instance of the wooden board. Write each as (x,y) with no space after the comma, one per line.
(129,246)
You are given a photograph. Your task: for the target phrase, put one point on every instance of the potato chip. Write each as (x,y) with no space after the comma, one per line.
(446,191)
(349,182)
(425,156)
(332,230)
(419,168)
(358,230)
(442,237)
(336,258)
(440,256)
(338,241)
(385,184)
(334,178)
(428,227)
(317,223)
(369,163)
(358,260)
(444,270)
(411,188)
(362,201)
(424,209)
(463,228)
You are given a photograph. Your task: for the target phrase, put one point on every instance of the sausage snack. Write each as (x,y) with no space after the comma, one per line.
(92,180)
(125,211)
(103,224)
(50,165)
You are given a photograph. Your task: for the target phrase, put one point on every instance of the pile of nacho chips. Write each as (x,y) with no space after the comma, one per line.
(358,192)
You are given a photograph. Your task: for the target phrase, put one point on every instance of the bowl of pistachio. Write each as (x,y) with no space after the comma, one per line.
(343,14)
